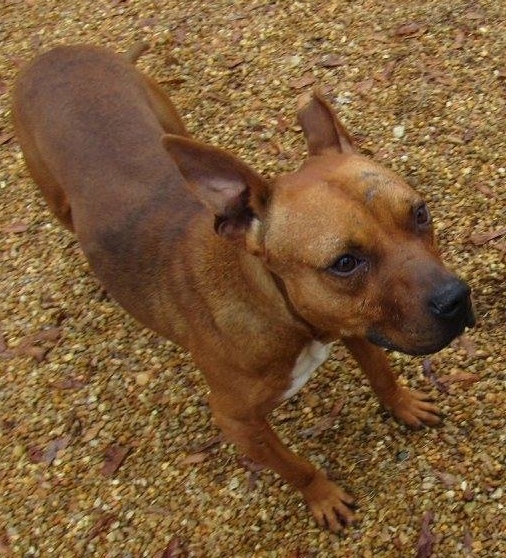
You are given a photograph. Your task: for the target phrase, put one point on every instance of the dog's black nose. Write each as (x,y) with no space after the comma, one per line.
(452,301)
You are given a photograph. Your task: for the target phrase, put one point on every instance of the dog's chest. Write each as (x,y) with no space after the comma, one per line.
(311,356)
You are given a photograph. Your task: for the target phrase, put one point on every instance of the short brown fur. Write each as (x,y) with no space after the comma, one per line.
(243,272)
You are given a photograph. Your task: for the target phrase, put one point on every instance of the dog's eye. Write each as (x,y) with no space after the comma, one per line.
(345,265)
(422,215)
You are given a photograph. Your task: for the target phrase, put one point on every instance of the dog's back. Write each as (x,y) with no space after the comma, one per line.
(90,126)
(92,109)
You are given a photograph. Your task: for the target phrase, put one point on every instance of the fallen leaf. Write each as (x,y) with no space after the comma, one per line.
(200,452)
(478,239)
(74,425)
(7,425)
(276,149)
(194,458)
(501,246)
(3,344)
(35,454)
(468,135)
(326,422)
(431,72)
(468,541)
(455,140)
(102,524)
(209,444)
(474,14)
(92,432)
(18,227)
(332,61)
(426,540)
(429,374)
(388,71)
(237,34)
(254,469)
(448,480)
(36,40)
(148,22)
(5,544)
(398,542)
(114,456)
(305,80)
(436,75)
(468,495)
(364,86)
(50,334)
(38,353)
(173,81)
(175,549)
(53,447)
(282,124)
(68,383)
(467,344)
(466,378)
(234,62)
(38,344)
(326,90)
(460,38)
(4,138)
(216,97)
(179,35)
(411,29)
(16,61)
(485,190)
(249,464)
(3,87)
(170,60)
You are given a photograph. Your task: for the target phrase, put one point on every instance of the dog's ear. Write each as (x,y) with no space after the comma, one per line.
(321,126)
(234,192)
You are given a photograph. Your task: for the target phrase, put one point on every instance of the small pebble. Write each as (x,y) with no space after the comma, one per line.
(398,131)
(142,379)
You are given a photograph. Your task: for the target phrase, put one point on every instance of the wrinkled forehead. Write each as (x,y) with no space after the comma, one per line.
(337,203)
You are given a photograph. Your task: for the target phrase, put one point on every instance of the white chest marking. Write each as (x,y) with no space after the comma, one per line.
(311,356)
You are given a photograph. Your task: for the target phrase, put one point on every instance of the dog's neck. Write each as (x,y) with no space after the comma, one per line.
(315,334)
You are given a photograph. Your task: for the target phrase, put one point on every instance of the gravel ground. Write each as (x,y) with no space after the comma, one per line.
(106,444)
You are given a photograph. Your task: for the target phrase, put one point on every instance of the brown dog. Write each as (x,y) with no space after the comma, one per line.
(256,278)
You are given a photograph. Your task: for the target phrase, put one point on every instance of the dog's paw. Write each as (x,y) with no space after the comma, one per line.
(414,408)
(329,504)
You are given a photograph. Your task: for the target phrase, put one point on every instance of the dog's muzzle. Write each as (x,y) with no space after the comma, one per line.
(450,310)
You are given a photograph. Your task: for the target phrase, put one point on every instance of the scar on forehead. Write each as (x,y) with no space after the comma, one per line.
(370,177)
(367,175)
(370,193)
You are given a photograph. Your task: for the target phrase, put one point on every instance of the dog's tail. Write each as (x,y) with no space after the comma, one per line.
(133,53)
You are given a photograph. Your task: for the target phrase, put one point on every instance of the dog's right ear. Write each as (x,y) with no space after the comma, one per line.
(226,185)
(321,126)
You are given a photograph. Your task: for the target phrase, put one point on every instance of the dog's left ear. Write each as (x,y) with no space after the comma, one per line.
(321,126)
(234,192)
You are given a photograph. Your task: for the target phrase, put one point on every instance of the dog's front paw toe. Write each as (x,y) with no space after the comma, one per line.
(329,504)
(414,408)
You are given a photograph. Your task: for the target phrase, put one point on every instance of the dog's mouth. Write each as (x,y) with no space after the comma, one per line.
(438,339)
(415,350)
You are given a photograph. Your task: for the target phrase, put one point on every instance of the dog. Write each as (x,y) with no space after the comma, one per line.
(255,277)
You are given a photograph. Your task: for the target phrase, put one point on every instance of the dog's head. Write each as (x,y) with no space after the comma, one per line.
(350,242)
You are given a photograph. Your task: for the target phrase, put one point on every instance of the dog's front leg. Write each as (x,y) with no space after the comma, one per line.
(253,435)
(411,407)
